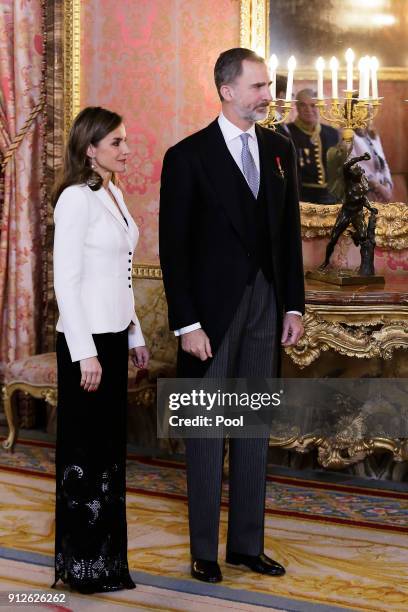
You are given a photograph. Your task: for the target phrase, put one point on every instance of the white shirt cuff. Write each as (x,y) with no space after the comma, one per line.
(135,336)
(188,328)
(194,326)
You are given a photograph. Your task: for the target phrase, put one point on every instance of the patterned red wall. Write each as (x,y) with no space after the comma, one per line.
(152,61)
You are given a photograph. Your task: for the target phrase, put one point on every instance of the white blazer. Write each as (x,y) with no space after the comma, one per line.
(93,250)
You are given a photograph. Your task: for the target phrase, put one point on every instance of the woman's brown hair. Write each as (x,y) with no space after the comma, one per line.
(90,126)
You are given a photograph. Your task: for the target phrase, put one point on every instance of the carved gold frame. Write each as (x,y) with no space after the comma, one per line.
(317,221)
(254,34)
(63,63)
(72,61)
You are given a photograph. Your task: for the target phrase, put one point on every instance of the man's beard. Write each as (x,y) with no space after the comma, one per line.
(257,114)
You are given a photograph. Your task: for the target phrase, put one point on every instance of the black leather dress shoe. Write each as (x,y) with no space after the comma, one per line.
(259,563)
(207,571)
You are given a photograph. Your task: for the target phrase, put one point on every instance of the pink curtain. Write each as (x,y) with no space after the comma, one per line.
(21,194)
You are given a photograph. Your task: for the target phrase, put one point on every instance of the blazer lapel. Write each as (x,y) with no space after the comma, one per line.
(274,183)
(221,169)
(106,200)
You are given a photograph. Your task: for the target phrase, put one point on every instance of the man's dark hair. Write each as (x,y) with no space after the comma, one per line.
(229,65)
(281,84)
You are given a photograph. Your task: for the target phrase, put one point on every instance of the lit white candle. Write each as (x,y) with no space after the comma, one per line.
(320,68)
(366,77)
(334,66)
(273,64)
(349,60)
(291,69)
(374,83)
(361,78)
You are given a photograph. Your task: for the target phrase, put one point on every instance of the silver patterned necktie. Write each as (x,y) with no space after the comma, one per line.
(248,166)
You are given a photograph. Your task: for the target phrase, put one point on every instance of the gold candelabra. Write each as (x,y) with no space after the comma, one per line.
(349,114)
(277,113)
(346,114)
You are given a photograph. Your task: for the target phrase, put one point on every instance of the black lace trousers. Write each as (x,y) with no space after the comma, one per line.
(91,530)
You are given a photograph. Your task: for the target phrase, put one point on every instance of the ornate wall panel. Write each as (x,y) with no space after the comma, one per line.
(153,63)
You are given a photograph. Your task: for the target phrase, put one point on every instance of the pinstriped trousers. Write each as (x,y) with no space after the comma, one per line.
(248,350)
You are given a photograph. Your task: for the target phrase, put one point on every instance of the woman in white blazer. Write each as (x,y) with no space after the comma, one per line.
(95,237)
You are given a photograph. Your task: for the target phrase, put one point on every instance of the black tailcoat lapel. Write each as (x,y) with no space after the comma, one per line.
(226,178)
(206,243)
(274,183)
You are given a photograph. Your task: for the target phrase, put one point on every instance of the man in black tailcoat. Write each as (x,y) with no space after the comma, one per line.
(231,255)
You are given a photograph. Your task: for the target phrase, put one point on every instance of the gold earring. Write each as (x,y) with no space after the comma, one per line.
(94,180)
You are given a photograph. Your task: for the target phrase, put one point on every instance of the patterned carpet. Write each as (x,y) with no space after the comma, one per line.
(302,498)
(344,547)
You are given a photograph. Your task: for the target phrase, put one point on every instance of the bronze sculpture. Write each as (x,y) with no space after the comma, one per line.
(349,183)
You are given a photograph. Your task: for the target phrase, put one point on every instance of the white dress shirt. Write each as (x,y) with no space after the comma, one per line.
(232,135)
(233,141)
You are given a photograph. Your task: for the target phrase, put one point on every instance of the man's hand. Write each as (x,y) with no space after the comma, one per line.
(196,343)
(140,356)
(91,373)
(292,329)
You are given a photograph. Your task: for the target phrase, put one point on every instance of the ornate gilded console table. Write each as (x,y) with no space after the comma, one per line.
(362,322)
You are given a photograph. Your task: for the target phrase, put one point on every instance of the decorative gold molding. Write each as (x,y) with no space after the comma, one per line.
(360,332)
(253,25)
(393,74)
(245,24)
(391,230)
(333,453)
(260,29)
(150,271)
(386,74)
(317,220)
(72,61)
